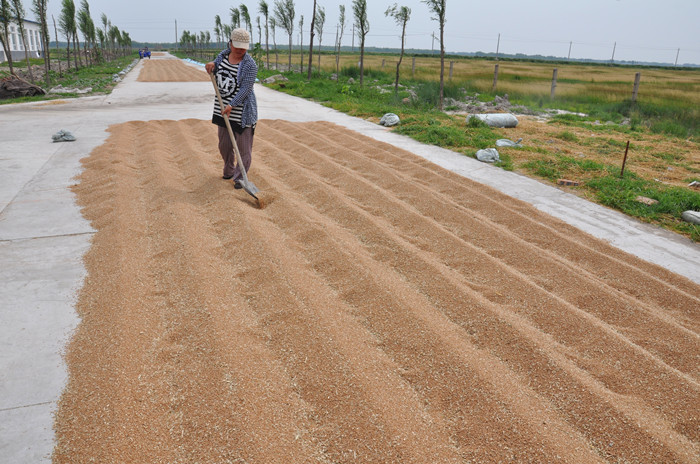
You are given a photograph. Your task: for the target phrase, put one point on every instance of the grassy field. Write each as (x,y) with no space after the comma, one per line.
(668,100)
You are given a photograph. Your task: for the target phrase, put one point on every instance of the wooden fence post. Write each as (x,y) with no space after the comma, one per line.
(637,78)
(383,63)
(495,78)
(554,83)
(624,160)
(452,65)
(413,68)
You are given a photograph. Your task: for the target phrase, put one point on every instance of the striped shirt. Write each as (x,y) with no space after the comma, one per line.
(235,84)
(227,80)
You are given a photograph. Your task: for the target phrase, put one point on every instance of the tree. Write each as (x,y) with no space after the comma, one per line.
(76,42)
(185,39)
(320,20)
(246,19)
(264,10)
(341,21)
(125,42)
(301,41)
(102,38)
(5,18)
(55,31)
(438,8)
(106,24)
(19,14)
(67,22)
(85,24)
(273,25)
(114,37)
(39,10)
(226,31)
(257,21)
(401,15)
(218,28)
(284,15)
(359,8)
(235,18)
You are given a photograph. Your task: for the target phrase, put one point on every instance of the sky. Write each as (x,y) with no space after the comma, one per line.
(624,30)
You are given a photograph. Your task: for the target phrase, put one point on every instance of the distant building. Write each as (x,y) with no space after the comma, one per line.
(33,31)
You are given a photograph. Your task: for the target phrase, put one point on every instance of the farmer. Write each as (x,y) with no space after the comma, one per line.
(235,72)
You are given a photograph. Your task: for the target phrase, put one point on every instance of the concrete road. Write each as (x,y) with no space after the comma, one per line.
(43,235)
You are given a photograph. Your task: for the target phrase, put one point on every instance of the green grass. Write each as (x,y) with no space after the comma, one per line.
(99,77)
(621,192)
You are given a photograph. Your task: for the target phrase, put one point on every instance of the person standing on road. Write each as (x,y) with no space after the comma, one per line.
(235,71)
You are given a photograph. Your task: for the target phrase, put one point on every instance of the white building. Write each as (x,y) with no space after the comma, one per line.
(33,32)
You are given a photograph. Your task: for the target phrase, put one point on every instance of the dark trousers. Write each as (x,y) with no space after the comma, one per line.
(244,141)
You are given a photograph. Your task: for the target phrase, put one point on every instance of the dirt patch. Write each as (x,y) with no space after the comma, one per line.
(381,309)
(170,71)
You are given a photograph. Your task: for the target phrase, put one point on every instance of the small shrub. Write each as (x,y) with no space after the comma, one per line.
(568,136)
(669,127)
(350,71)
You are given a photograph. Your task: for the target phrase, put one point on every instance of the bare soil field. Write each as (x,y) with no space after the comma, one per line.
(379,310)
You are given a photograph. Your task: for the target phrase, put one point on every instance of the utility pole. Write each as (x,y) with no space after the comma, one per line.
(677,53)
(612,60)
(353,38)
(176,47)
(569,57)
(498,45)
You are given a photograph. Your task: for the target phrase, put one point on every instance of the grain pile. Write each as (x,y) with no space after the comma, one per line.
(168,70)
(380,310)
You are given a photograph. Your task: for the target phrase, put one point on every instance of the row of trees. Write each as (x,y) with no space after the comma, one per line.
(112,41)
(282,15)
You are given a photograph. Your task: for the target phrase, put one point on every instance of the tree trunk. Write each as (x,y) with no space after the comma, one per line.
(442,64)
(47,58)
(75,57)
(267,44)
(398,65)
(55,30)
(67,52)
(26,54)
(6,48)
(311,42)
(362,61)
(337,53)
(77,41)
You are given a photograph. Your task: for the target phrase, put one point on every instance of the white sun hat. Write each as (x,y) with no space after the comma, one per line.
(240,38)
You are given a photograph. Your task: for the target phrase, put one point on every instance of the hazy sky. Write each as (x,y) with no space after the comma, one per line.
(637,30)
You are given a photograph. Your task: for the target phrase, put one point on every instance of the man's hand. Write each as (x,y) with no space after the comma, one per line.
(227,111)
(209,67)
